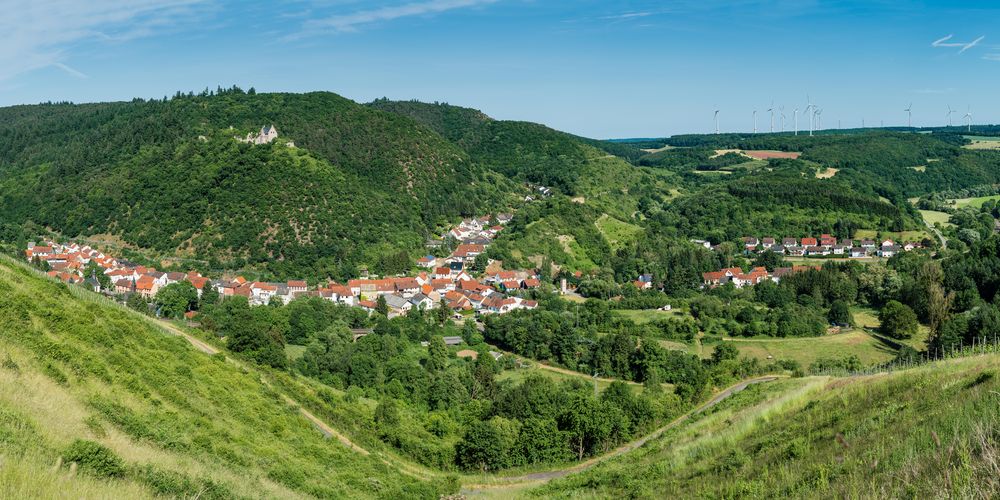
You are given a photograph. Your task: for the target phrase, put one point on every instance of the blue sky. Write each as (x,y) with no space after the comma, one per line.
(596,68)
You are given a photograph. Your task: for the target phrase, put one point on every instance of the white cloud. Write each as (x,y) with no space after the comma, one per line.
(350,22)
(38,34)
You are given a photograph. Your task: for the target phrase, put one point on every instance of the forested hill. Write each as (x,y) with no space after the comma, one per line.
(523,150)
(358,186)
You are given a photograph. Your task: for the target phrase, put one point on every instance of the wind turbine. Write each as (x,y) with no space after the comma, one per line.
(968,118)
(819,119)
(755,121)
(950,111)
(796,114)
(771,110)
(909,115)
(810,107)
(781,111)
(716,122)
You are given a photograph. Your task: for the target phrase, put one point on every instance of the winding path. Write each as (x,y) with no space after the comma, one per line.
(503,482)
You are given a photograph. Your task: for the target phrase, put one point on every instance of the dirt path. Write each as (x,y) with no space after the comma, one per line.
(541,477)
(331,433)
(201,345)
(323,427)
(572,373)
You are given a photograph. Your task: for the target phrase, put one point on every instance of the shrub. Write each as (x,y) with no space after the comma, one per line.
(95,459)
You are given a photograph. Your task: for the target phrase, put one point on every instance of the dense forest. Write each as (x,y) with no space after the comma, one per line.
(169,176)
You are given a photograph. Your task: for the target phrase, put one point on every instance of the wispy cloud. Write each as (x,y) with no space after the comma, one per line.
(628,15)
(993,56)
(945,42)
(934,91)
(350,22)
(39,34)
(70,70)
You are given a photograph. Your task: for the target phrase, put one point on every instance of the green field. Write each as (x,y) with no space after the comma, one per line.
(518,374)
(896,236)
(973,202)
(643,316)
(805,350)
(617,233)
(294,352)
(934,217)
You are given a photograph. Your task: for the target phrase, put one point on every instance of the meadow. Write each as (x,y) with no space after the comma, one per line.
(931,431)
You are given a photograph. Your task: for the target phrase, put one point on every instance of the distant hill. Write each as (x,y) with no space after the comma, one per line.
(359,185)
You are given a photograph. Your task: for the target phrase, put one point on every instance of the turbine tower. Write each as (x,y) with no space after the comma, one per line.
(771,110)
(755,121)
(819,119)
(810,112)
(950,111)
(909,116)
(716,122)
(781,111)
(796,115)
(968,119)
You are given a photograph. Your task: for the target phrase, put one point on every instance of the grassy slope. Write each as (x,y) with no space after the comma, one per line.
(925,432)
(80,369)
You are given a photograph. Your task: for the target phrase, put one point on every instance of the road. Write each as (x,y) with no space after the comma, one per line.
(541,477)
(940,237)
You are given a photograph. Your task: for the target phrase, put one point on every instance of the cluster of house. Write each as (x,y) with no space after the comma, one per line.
(68,263)
(827,245)
(755,276)
(445,280)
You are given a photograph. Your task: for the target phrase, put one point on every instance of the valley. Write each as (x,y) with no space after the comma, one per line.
(402,299)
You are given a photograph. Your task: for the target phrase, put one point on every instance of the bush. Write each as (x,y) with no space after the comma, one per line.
(95,459)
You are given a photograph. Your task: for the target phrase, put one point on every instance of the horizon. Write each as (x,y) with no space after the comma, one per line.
(586,68)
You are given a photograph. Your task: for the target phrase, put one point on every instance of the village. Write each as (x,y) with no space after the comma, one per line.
(439,282)
(824,246)
(827,245)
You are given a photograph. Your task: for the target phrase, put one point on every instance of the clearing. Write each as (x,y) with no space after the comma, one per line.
(932,217)
(973,202)
(826,173)
(806,350)
(616,232)
(982,142)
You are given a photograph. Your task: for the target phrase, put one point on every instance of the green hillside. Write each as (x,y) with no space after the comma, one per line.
(928,432)
(595,177)
(142,413)
(168,176)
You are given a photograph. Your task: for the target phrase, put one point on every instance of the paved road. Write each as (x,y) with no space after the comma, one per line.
(582,466)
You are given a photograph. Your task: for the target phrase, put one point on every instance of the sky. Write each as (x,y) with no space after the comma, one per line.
(596,68)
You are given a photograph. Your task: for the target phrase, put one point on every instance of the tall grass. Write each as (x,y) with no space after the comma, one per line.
(931,431)
(82,367)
